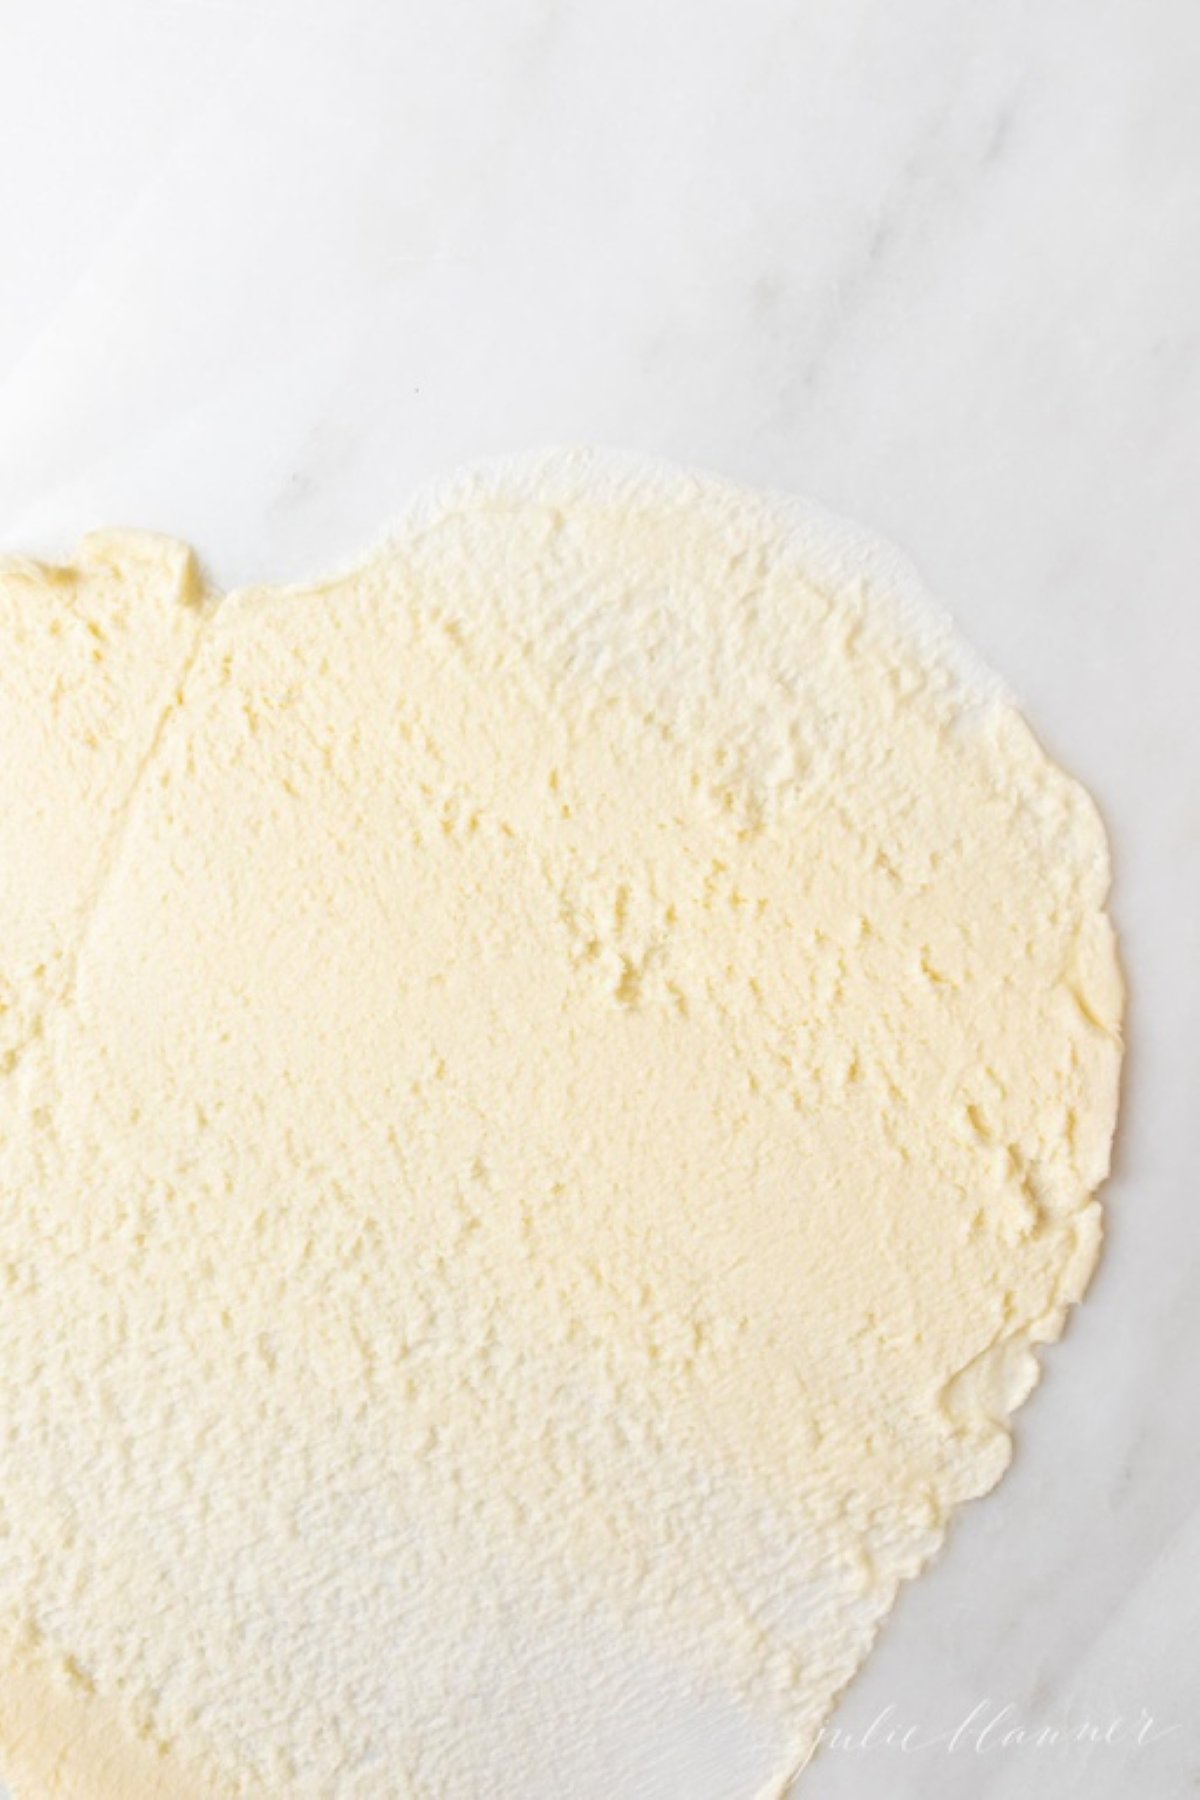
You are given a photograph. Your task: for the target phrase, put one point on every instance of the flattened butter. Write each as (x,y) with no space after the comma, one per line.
(551,1086)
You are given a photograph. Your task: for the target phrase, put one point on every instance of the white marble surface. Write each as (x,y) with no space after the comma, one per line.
(266,267)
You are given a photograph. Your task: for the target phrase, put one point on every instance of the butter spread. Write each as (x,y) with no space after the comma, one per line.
(552,1085)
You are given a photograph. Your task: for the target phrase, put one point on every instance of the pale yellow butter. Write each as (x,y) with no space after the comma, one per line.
(552,1084)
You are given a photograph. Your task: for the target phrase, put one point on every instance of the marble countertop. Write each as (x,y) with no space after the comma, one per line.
(267,267)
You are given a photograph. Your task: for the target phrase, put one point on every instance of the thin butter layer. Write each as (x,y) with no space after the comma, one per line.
(552,1085)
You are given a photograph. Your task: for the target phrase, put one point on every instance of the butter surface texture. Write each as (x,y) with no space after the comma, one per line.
(551,1086)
